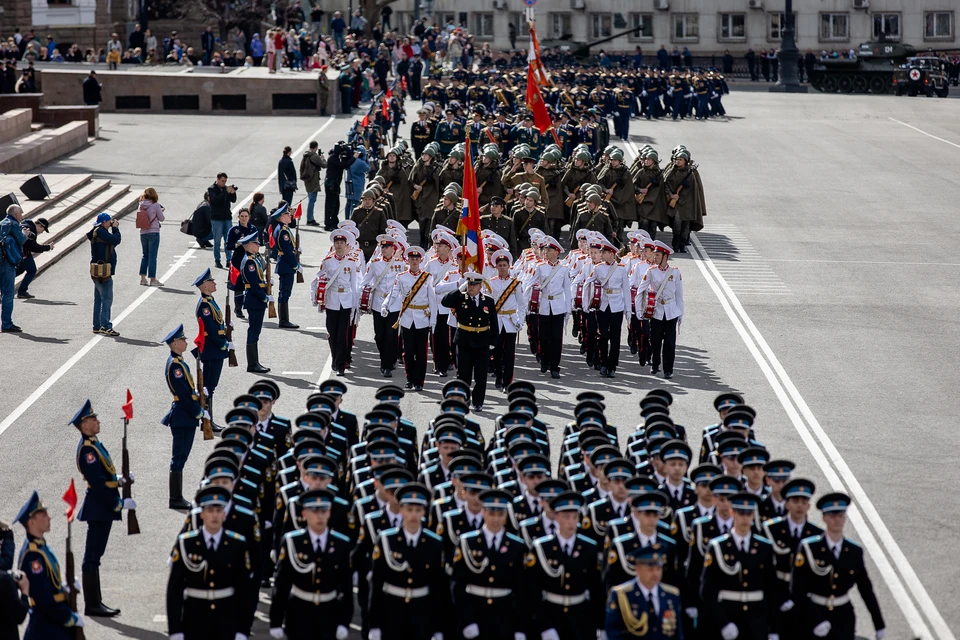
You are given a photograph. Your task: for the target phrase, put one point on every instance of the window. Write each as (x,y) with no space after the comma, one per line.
(523,27)
(778,22)
(60,3)
(483,25)
(644,23)
(402,22)
(442,18)
(733,27)
(887,25)
(686,27)
(601,25)
(834,27)
(560,25)
(938,25)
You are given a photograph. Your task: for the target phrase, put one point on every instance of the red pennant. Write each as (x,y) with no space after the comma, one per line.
(234,274)
(386,111)
(403,82)
(366,120)
(389,93)
(128,407)
(70,497)
(299,211)
(201,338)
(535,103)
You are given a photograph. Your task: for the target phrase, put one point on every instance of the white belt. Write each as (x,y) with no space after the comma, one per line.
(487,592)
(406,593)
(565,601)
(739,596)
(208,594)
(829,601)
(310,596)
(783,575)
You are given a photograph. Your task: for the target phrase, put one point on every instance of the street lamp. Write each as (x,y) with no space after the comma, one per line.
(788,57)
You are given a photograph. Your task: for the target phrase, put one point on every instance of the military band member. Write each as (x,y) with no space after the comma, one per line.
(440,266)
(50,614)
(184,414)
(210,579)
(253,270)
(288,262)
(665,281)
(102,505)
(510,305)
(416,301)
(380,274)
(552,279)
(826,568)
(476,320)
(341,272)
(614,283)
(215,347)
(644,606)
(312,591)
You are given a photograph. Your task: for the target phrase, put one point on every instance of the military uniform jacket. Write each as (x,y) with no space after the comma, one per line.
(426,176)
(683,520)
(619,569)
(421,312)
(102,501)
(312,588)
(50,614)
(253,271)
(371,223)
(502,226)
(408,580)
(620,180)
(785,548)
(448,134)
(521,510)
(553,281)
(343,281)
(380,276)
(215,343)
(421,133)
(729,573)
(513,308)
(598,220)
(654,205)
(476,321)
(439,271)
(669,299)
(456,523)
(288,256)
(488,175)
(629,615)
(574,179)
(185,411)
(614,282)
(490,585)
(563,579)
(342,518)
(222,574)
(819,575)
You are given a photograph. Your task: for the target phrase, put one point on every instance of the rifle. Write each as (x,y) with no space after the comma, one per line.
(416,194)
(71,577)
(271,307)
(387,188)
(231,354)
(297,240)
(640,196)
(133,526)
(676,196)
(205,425)
(573,196)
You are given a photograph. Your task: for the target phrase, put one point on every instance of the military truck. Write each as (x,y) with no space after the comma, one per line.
(921,75)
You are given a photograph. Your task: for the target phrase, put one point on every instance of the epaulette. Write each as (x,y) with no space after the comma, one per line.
(297,534)
(433,535)
(243,510)
(585,539)
(235,535)
(762,539)
(629,585)
(470,534)
(339,536)
(340,500)
(667,588)
(513,537)
(528,521)
(184,536)
(352,258)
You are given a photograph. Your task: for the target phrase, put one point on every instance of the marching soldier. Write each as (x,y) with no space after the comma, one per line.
(184,415)
(102,505)
(476,319)
(215,348)
(415,300)
(614,282)
(312,591)
(618,188)
(826,568)
(288,262)
(551,280)
(371,222)
(644,606)
(379,277)
(449,133)
(500,223)
(511,308)
(777,474)
(339,273)
(683,192)
(652,207)
(253,270)
(665,281)
(646,509)
(552,171)
(210,577)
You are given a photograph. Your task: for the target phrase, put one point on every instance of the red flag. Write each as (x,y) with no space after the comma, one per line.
(386,111)
(389,93)
(366,120)
(70,497)
(403,82)
(128,407)
(297,213)
(234,274)
(533,58)
(201,337)
(469,225)
(535,103)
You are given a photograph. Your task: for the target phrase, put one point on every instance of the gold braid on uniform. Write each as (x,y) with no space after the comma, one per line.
(635,626)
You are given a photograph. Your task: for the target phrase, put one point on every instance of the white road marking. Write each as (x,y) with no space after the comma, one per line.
(160,618)
(831,463)
(66,366)
(326,371)
(929,135)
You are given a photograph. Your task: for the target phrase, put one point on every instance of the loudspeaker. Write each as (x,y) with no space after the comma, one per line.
(6,201)
(35,188)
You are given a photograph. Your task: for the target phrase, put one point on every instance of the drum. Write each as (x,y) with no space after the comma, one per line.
(365,296)
(321,299)
(633,300)
(651,304)
(534,305)
(594,291)
(578,298)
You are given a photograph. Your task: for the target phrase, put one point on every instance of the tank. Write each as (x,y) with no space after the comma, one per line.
(871,71)
(581,50)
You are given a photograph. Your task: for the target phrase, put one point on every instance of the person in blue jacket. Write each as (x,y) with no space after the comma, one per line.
(288,262)
(216,347)
(356,178)
(104,238)
(253,273)
(12,240)
(184,415)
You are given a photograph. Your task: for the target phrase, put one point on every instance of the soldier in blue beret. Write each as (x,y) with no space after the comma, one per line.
(184,415)
(253,271)
(215,347)
(644,606)
(102,505)
(288,262)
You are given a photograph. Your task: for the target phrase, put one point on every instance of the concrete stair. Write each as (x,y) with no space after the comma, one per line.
(36,148)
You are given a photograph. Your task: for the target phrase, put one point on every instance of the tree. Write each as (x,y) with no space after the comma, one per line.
(245,14)
(371,11)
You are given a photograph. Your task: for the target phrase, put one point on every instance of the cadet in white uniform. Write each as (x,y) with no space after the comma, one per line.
(415,298)
(666,282)
(552,278)
(341,271)
(382,270)
(511,307)
(614,281)
(438,266)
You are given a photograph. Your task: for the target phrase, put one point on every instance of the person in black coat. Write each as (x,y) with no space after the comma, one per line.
(286,176)
(91,90)
(259,217)
(14,604)
(28,265)
(477,319)
(201,227)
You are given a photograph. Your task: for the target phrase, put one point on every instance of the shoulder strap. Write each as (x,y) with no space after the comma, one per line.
(507,293)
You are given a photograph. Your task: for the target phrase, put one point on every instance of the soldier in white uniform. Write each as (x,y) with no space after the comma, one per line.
(341,272)
(511,307)
(382,270)
(415,298)
(613,279)
(552,279)
(438,267)
(665,281)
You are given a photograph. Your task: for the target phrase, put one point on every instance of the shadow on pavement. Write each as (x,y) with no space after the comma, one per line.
(42,339)
(138,343)
(49,303)
(131,632)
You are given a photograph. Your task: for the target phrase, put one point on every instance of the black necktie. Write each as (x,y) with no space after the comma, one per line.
(210,545)
(650,606)
(723,528)
(317,546)
(551,528)
(566,548)
(744,548)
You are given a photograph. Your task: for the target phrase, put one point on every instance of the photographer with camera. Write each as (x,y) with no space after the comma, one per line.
(339,159)
(14,603)
(104,237)
(221,196)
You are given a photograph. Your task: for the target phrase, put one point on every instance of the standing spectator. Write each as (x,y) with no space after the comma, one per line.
(28,265)
(240,40)
(286,177)
(356,178)
(809,60)
(200,223)
(91,90)
(221,196)
(764,65)
(345,83)
(104,237)
(207,43)
(637,59)
(751,58)
(323,90)
(316,19)
(338,26)
(256,49)
(774,65)
(149,217)
(137,38)
(51,46)
(512,35)
(663,58)
(675,58)
(310,167)
(687,58)
(279,44)
(358,24)
(258,215)
(385,14)
(11,250)
(114,51)
(727,64)
(150,41)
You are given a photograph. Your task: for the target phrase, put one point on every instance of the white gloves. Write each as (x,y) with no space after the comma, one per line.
(176,636)
(822,629)
(437,636)
(342,632)
(270,299)
(519,636)
(692,612)
(206,415)
(230,346)
(601,635)
(76,586)
(881,633)
(79,621)
(374,634)
(471,631)
(128,503)
(231,326)
(240,636)
(773,636)
(300,269)
(276,633)
(273,552)
(268,525)
(786,606)
(384,312)
(729,631)
(550,634)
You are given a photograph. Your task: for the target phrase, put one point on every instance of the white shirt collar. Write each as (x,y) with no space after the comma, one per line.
(207,536)
(739,540)
(834,546)
(646,594)
(617,506)
(412,539)
(491,536)
(566,541)
(546,521)
(532,501)
(728,523)
(704,511)
(321,537)
(795,528)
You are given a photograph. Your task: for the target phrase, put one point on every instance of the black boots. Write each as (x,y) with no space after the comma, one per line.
(253,360)
(177,502)
(93,605)
(285,317)
(213,424)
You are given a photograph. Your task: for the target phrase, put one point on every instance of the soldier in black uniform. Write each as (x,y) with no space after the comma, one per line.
(421,132)
(619,569)
(312,592)
(477,321)
(371,222)
(500,223)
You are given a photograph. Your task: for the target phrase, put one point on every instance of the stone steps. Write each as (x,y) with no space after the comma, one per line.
(36,148)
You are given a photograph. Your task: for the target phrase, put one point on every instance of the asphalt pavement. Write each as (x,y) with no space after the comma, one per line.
(822,288)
